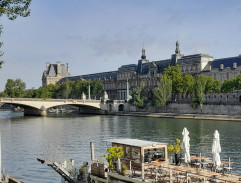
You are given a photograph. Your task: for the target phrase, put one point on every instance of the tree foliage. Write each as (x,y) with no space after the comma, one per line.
(114,153)
(65,89)
(68,89)
(188,84)
(30,93)
(174,73)
(175,148)
(49,91)
(15,88)
(139,96)
(163,92)
(232,84)
(199,88)
(96,87)
(14,8)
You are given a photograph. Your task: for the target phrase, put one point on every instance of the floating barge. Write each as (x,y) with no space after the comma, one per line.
(146,161)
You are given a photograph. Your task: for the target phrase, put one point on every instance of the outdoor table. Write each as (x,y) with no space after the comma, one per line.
(199,158)
(226,162)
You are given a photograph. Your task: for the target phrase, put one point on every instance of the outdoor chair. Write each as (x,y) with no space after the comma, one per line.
(160,177)
(148,172)
(196,164)
(180,177)
(219,170)
(227,170)
(204,164)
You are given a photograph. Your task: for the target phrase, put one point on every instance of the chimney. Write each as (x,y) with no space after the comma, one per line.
(221,66)
(47,65)
(210,68)
(67,66)
(58,68)
(234,65)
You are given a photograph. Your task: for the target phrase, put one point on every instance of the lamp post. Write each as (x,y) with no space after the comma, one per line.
(89,91)
(127,90)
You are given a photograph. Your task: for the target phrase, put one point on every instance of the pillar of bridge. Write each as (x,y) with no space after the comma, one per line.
(35,112)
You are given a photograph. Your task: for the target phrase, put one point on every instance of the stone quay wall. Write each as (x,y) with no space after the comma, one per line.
(185,108)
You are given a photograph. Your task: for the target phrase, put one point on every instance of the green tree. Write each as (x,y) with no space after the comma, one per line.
(30,93)
(163,92)
(174,73)
(237,83)
(217,86)
(139,96)
(229,85)
(15,88)
(198,95)
(188,83)
(13,8)
(113,154)
(209,82)
(2,94)
(65,89)
(96,87)
(49,91)
(78,88)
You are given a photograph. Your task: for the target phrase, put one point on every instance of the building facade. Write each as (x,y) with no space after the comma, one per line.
(147,72)
(54,73)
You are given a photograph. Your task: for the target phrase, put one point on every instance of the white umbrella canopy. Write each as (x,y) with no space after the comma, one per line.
(216,149)
(186,145)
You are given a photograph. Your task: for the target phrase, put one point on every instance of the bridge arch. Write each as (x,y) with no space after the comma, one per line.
(121,107)
(40,106)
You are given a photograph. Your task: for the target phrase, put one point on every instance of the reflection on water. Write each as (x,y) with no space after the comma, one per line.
(24,138)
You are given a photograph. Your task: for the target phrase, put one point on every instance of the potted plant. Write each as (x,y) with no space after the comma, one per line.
(114,153)
(175,149)
(124,169)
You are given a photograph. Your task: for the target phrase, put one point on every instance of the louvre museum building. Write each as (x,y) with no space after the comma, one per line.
(147,72)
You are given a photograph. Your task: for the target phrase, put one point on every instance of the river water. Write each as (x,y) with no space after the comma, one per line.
(25,138)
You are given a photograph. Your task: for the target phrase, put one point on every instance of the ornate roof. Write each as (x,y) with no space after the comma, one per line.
(227,62)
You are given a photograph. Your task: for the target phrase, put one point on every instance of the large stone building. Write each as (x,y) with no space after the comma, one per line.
(54,73)
(145,71)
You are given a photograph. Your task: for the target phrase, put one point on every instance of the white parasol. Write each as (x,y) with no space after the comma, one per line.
(186,145)
(216,149)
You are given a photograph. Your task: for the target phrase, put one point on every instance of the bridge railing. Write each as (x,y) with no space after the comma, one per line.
(49,100)
(54,154)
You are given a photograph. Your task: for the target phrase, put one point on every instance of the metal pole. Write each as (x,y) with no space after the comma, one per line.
(89,91)
(127,90)
(92,150)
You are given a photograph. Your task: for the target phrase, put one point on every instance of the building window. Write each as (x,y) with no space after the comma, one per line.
(221,96)
(233,96)
(227,96)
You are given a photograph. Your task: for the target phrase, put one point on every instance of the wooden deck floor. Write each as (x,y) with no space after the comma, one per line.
(163,173)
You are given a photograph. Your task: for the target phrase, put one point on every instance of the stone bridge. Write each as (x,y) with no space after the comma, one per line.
(39,107)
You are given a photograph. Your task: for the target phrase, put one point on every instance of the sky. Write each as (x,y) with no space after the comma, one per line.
(101,35)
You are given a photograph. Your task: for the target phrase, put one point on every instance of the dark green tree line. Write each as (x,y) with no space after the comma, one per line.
(185,84)
(69,89)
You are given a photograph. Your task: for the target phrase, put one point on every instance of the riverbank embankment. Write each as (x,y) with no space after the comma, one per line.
(182,116)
